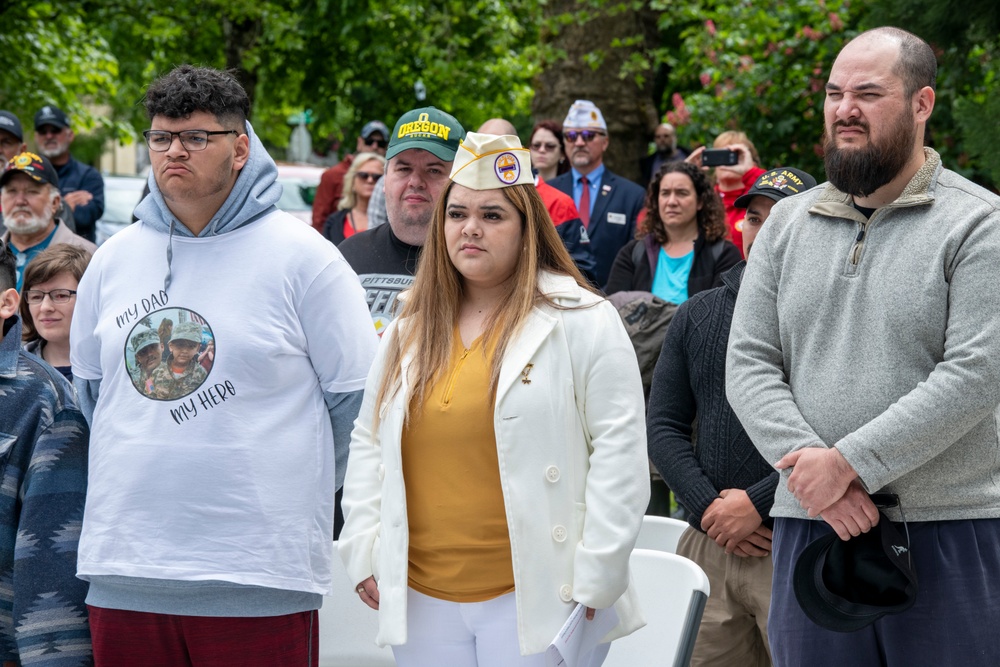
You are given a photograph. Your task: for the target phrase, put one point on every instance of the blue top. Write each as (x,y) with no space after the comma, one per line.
(73,176)
(593,180)
(671,280)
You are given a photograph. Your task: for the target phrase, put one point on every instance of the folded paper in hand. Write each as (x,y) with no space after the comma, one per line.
(578,636)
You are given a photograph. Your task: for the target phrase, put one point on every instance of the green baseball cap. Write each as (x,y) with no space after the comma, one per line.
(429,129)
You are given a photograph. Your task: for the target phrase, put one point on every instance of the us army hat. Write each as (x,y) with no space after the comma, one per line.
(777,184)
(429,129)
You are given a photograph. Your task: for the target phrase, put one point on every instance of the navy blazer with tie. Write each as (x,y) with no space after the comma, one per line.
(612,222)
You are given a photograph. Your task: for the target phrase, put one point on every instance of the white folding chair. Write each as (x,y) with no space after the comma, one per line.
(672,594)
(660,533)
(347,626)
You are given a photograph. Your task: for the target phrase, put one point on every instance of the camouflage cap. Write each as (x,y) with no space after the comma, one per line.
(187,331)
(144,338)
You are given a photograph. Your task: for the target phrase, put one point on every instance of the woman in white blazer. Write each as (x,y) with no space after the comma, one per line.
(560,381)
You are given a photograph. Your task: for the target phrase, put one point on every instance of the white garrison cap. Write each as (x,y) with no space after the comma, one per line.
(584,114)
(488,162)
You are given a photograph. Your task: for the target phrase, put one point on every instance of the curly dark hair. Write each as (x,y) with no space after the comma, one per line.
(8,268)
(711,215)
(188,89)
(555,128)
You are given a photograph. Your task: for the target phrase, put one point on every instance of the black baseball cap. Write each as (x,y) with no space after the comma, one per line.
(50,115)
(777,184)
(33,165)
(845,586)
(12,124)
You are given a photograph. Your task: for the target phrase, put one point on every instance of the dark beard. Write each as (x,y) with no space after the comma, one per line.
(861,171)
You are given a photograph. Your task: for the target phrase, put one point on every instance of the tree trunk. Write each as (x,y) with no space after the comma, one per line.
(627,106)
(241,36)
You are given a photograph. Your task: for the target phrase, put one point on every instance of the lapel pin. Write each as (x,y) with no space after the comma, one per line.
(524,374)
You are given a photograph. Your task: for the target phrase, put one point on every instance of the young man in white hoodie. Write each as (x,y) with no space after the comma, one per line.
(207,535)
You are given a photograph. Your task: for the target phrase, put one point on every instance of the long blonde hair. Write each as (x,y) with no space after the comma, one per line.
(350,198)
(431,307)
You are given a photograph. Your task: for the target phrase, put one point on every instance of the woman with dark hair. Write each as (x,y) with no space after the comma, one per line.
(497,470)
(546,146)
(48,300)
(682,246)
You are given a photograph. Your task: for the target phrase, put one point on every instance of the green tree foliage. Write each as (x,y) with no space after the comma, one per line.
(967,42)
(54,55)
(756,67)
(349,61)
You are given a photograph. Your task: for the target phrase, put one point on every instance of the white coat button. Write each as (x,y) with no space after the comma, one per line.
(566,593)
(381,472)
(552,474)
(559,534)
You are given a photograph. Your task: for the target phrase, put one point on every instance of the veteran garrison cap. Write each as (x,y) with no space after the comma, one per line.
(489,161)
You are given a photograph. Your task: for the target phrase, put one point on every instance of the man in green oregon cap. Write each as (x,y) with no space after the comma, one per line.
(421,149)
(420,152)
(181,373)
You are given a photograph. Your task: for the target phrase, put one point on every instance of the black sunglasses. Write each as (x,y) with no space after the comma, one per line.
(381,143)
(588,135)
(368,176)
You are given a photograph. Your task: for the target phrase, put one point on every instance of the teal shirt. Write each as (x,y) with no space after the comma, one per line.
(22,257)
(670,281)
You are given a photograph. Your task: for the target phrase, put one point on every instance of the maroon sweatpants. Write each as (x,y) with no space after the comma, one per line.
(139,639)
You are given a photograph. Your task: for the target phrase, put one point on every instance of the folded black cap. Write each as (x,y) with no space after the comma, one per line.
(845,586)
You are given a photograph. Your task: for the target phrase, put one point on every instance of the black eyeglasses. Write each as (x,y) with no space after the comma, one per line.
(192,140)
(539,145)
(588,135)
(368,176)
(35,296)
(381,143)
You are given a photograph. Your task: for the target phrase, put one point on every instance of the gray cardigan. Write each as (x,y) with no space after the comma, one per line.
(887,347)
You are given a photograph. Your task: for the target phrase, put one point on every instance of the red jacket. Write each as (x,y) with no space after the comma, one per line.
(734,216)
(329,191)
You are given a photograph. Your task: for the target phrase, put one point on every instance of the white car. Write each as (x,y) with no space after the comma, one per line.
(121,195)
(298,182)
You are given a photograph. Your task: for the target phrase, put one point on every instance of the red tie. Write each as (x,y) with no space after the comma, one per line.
(585,202)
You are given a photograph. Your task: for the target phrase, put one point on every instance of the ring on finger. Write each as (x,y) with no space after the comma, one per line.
(360,589)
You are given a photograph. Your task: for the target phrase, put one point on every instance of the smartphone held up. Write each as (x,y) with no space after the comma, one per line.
(719,157)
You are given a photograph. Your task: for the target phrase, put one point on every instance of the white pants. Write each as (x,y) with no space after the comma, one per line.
(468,634)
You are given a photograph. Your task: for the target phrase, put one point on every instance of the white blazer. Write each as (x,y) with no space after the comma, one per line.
(571,440)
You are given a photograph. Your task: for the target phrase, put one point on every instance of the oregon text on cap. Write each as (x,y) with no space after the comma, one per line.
(425,128)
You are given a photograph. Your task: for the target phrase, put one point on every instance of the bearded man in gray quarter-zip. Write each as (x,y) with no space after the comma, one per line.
(864,358)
